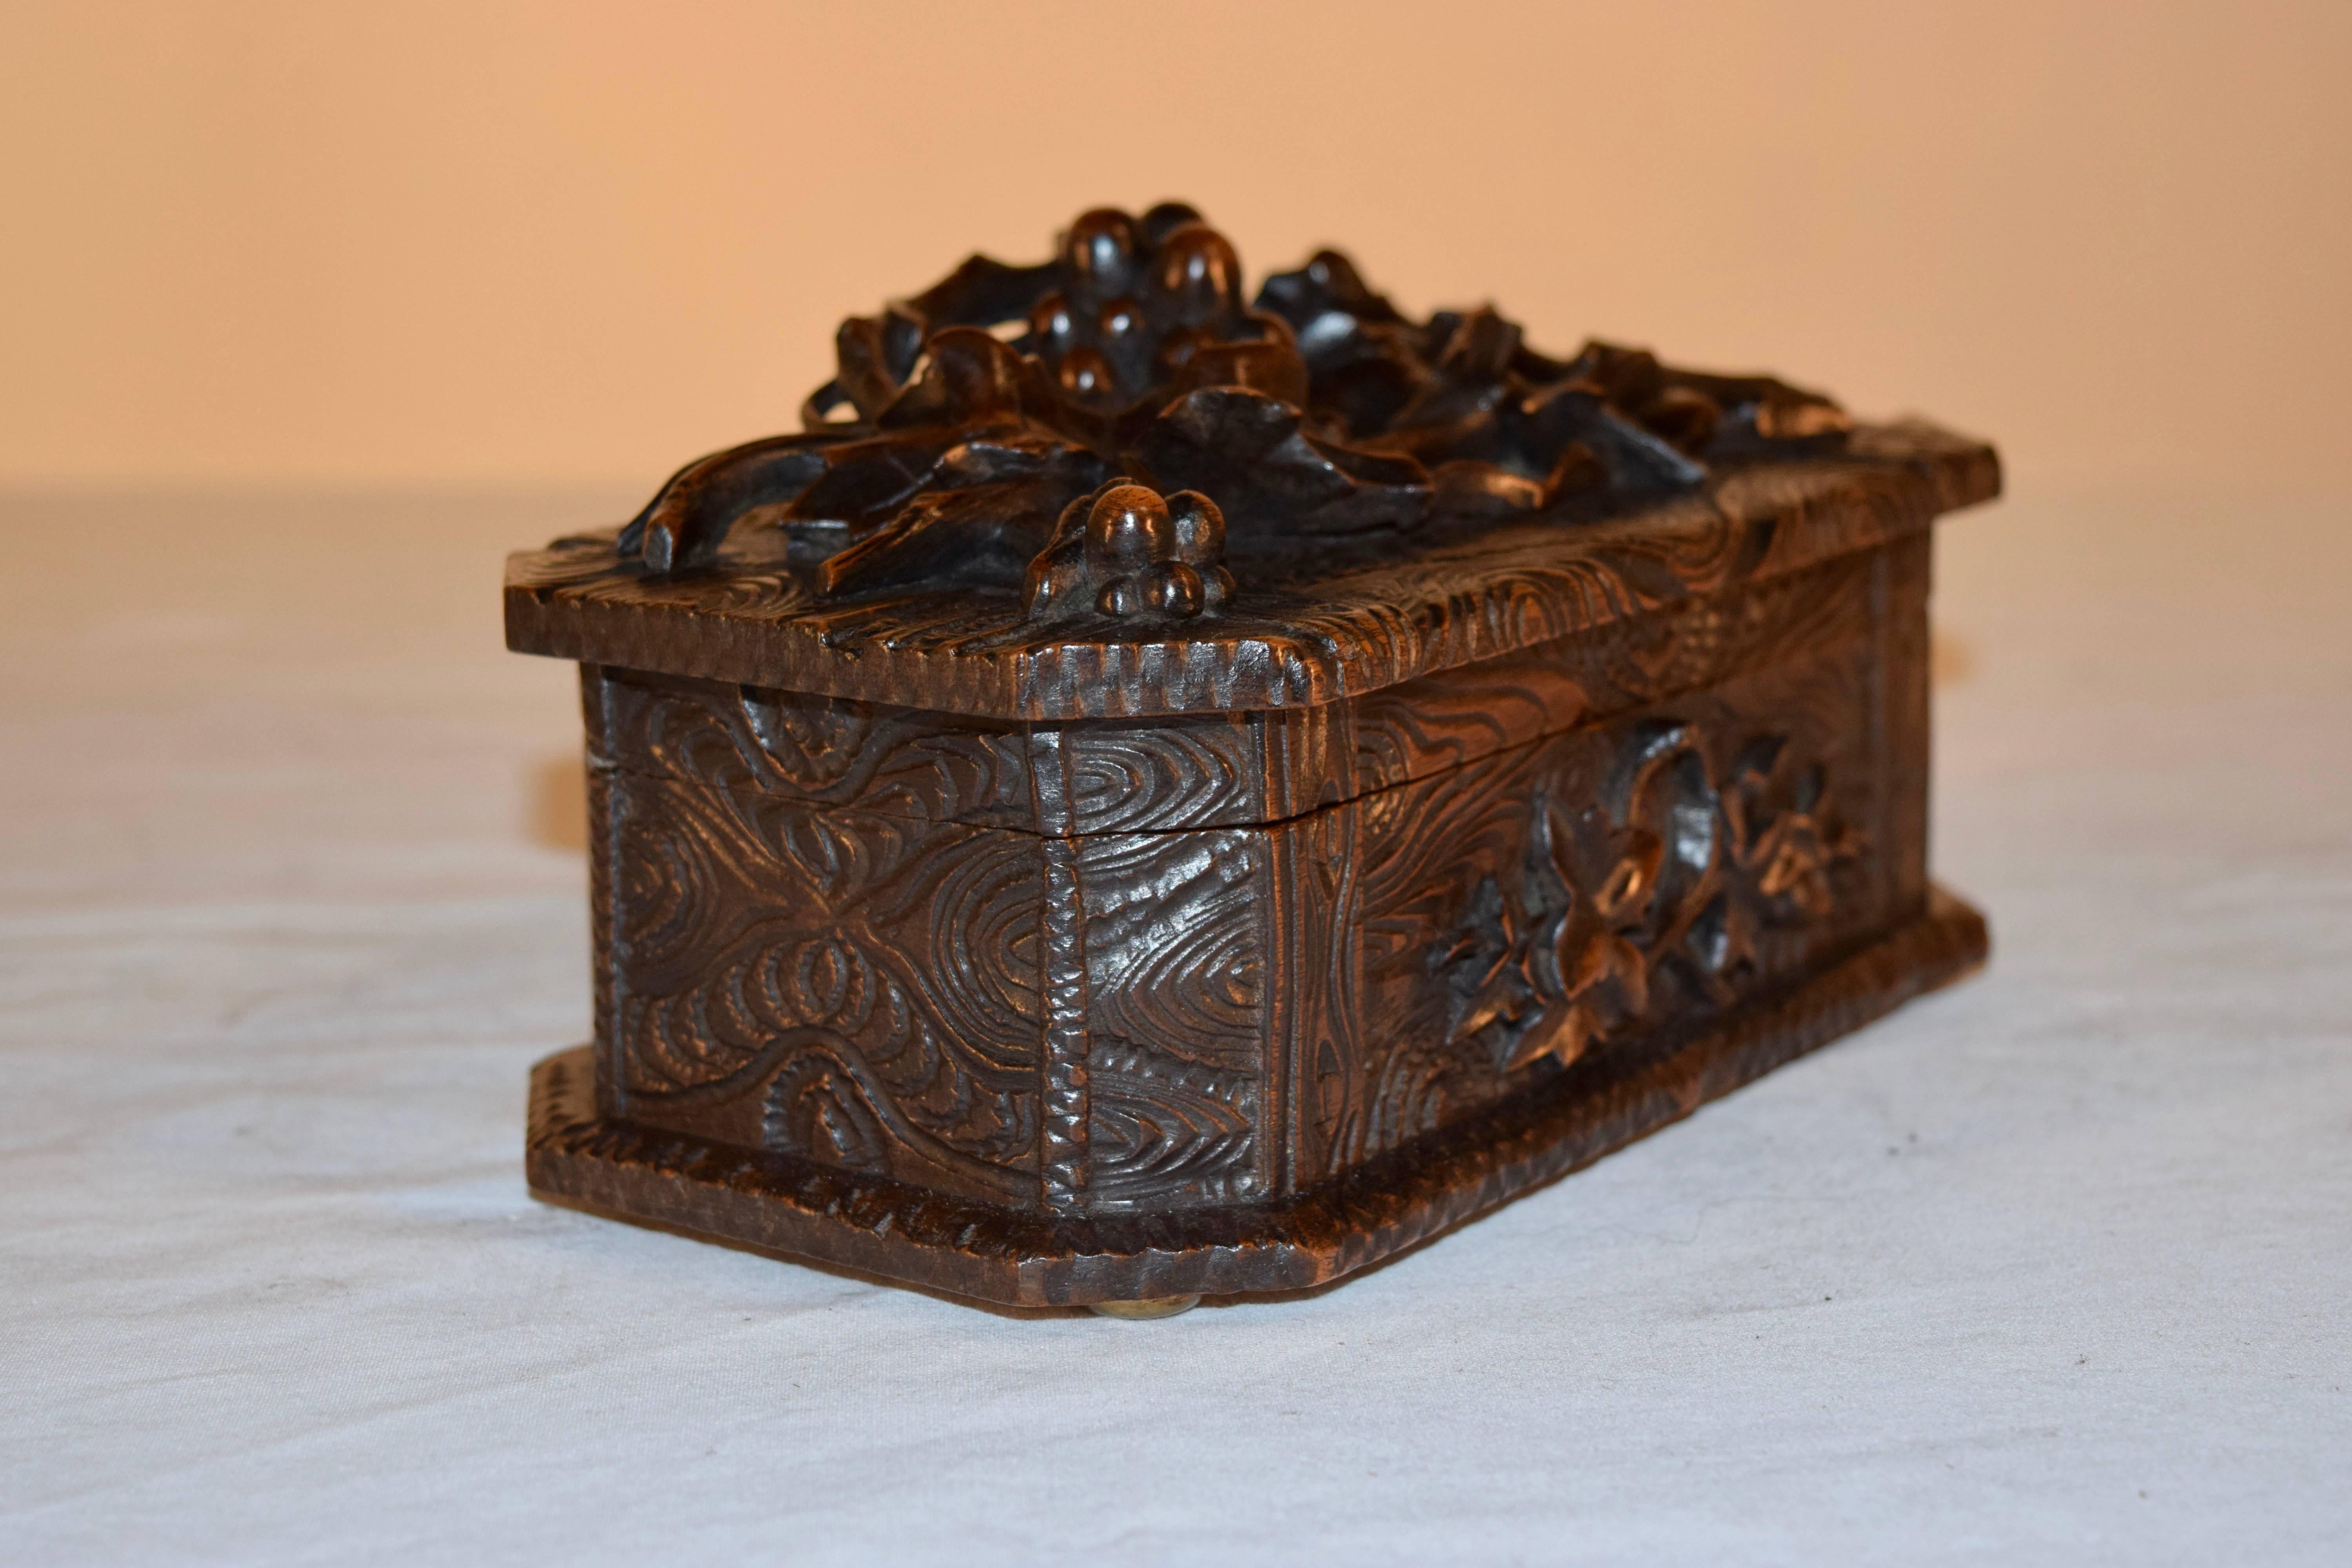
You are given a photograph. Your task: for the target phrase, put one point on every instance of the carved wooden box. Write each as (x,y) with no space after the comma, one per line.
(1090,822)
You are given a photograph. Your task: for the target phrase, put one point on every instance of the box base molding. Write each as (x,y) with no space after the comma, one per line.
(777,1203)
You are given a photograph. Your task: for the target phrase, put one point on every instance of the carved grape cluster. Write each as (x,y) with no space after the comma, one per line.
(961,422)
(1125,551)
(1150,307)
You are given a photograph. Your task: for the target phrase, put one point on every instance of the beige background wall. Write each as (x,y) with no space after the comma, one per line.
(457,243)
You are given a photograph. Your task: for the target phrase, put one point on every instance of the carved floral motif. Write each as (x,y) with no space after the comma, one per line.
(1670,868)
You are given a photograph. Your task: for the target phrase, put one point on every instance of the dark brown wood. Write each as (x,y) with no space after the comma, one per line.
(1021,874)
(1298,634)
(1025,1258)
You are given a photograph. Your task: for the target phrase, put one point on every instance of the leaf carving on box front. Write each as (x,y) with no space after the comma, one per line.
(1560,954)
(1782,842)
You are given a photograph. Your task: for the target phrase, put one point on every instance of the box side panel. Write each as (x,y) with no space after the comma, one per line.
(595,710)
(1905,668)
(854,988)
(834,928)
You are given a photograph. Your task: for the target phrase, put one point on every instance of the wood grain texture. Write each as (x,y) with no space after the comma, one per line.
(1570,894)
(1037,1258)
(1224,769)
(1300,631)
(855,988)
(1064,956)
(1512,867)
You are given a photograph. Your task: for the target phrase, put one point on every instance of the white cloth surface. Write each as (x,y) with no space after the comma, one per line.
(2056,1266)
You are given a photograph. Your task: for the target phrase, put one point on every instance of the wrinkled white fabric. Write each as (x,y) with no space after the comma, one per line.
(2053,1268)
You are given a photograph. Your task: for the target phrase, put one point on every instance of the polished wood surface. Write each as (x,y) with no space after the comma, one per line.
(857,1220)
(1220,857)
(1371,497)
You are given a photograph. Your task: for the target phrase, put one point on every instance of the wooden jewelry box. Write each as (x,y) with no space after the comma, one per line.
(1150,794)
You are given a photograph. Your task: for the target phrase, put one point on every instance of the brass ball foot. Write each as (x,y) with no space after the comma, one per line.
(1136,1311)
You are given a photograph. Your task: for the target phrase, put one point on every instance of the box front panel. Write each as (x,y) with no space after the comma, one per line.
(1570,895)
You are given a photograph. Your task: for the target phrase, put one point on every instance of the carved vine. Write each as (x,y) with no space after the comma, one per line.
(1673,868)
(962,423)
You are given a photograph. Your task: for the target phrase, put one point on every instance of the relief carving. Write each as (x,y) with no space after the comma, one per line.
(1125,551)
(1145,747)
(1176,982)
(1088,1020)
(961,423)
(1669,870)
(877,976)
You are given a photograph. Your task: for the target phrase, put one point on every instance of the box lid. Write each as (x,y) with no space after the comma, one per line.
(1104,487)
